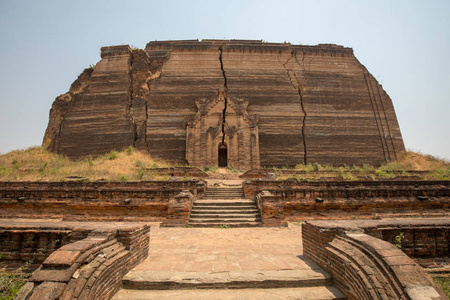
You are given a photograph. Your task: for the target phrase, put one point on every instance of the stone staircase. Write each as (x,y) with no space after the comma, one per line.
(224,206)
(257,284)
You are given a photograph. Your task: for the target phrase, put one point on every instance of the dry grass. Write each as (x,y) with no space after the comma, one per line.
(39,164)
(416,161)
(438,169)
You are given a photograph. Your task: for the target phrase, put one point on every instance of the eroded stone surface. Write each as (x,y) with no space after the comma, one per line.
(308,293)
(224,249)
(280,104)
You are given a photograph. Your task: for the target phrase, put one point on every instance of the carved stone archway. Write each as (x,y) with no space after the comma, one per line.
(223,120)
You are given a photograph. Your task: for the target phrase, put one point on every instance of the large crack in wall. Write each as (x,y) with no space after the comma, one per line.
(299,88)
(135,95)
(224,94)
(141,77)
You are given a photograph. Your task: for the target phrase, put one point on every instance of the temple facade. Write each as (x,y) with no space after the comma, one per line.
(241,104)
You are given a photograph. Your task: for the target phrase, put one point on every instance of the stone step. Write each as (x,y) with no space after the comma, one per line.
(235,189)
(227,225)
(224,207)
(223,202)
(224,192)
(222,198)
(223,195)
(224,216)
(197,210)
(224,189)
(301,293)
(224,220)
(157,280)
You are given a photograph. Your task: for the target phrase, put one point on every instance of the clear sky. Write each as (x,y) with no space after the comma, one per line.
(45,45)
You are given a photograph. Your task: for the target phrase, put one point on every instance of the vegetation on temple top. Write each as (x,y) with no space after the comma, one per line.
(38,164)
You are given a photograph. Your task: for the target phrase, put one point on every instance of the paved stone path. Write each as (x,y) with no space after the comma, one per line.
(218,256)
(224,249)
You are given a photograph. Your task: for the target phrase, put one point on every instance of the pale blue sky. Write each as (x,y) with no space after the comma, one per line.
(45,45)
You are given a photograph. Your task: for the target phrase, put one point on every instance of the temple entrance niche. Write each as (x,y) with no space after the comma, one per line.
(222,121)
(223,155)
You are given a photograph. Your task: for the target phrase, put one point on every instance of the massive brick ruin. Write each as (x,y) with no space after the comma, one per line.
(245,104)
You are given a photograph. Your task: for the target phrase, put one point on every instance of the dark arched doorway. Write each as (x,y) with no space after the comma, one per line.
(223,155)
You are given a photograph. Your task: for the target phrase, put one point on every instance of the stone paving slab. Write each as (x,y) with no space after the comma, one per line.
(150,280)
(315,293)
(225,249)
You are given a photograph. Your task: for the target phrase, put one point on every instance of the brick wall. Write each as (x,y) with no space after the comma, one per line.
(30,245)
(363,266)
(422,241)
(89,268)
(292,199)
(106,201)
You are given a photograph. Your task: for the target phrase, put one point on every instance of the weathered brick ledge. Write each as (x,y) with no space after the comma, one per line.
(88,262)
(105,201)
(364,266)
(292,199)
(362,175)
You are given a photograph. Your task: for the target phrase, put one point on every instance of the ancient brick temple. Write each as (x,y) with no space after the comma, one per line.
(245,104)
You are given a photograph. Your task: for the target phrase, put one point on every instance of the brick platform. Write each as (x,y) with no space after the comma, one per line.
(90,264)
(367,267)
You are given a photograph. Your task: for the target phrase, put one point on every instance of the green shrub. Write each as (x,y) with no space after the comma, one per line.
(398,240)
(440,174)
(129,150)
(140,174)
(11,283)
(15,163)
(349,177)
(317,167)
(309,168)
(113,155)
(380,173)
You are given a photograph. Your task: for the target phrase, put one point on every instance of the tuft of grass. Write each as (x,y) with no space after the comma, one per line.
(11,283)
(317,167)
(398,240)
(350,177)
(444,284)
(113,155)
(209,169)
(223,226)
(130,150)
(15,163)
